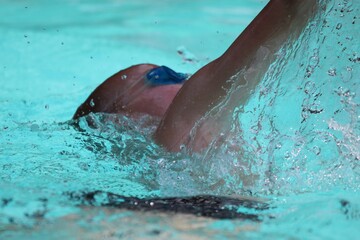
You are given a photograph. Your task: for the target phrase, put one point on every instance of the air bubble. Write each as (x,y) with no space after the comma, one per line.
(338,26)
(92,104)
(123,77)
(346,75)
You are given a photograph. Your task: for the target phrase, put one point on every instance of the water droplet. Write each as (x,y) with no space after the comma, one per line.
(151,203)
(92,104)
(309,87)
(123,77)
(332,72)
(346,75)
(316,150)
(338,26)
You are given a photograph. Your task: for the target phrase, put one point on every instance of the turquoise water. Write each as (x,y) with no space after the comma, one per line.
(298,137)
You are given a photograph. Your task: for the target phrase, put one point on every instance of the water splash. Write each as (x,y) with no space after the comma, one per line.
(302,122)
(298,133)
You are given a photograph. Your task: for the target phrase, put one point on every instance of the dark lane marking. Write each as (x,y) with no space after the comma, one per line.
(217,207)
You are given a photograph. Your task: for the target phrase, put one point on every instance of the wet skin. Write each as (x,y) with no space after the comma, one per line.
(191,118)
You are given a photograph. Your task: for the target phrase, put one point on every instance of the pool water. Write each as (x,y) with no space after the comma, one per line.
(297,138)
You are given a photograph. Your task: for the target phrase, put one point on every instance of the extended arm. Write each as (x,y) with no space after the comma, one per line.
(243,64)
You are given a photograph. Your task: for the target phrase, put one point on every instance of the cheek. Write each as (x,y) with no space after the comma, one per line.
(155,101)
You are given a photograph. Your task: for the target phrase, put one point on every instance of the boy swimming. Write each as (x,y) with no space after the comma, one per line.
(197,112)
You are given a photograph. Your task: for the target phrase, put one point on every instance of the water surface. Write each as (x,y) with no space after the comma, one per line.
(297,137)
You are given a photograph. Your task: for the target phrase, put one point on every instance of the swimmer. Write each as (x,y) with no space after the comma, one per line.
(187,119)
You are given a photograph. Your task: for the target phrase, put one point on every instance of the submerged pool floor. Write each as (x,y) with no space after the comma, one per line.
(295,175)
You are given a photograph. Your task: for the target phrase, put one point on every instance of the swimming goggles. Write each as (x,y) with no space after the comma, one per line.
(155,77)
(164,76)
